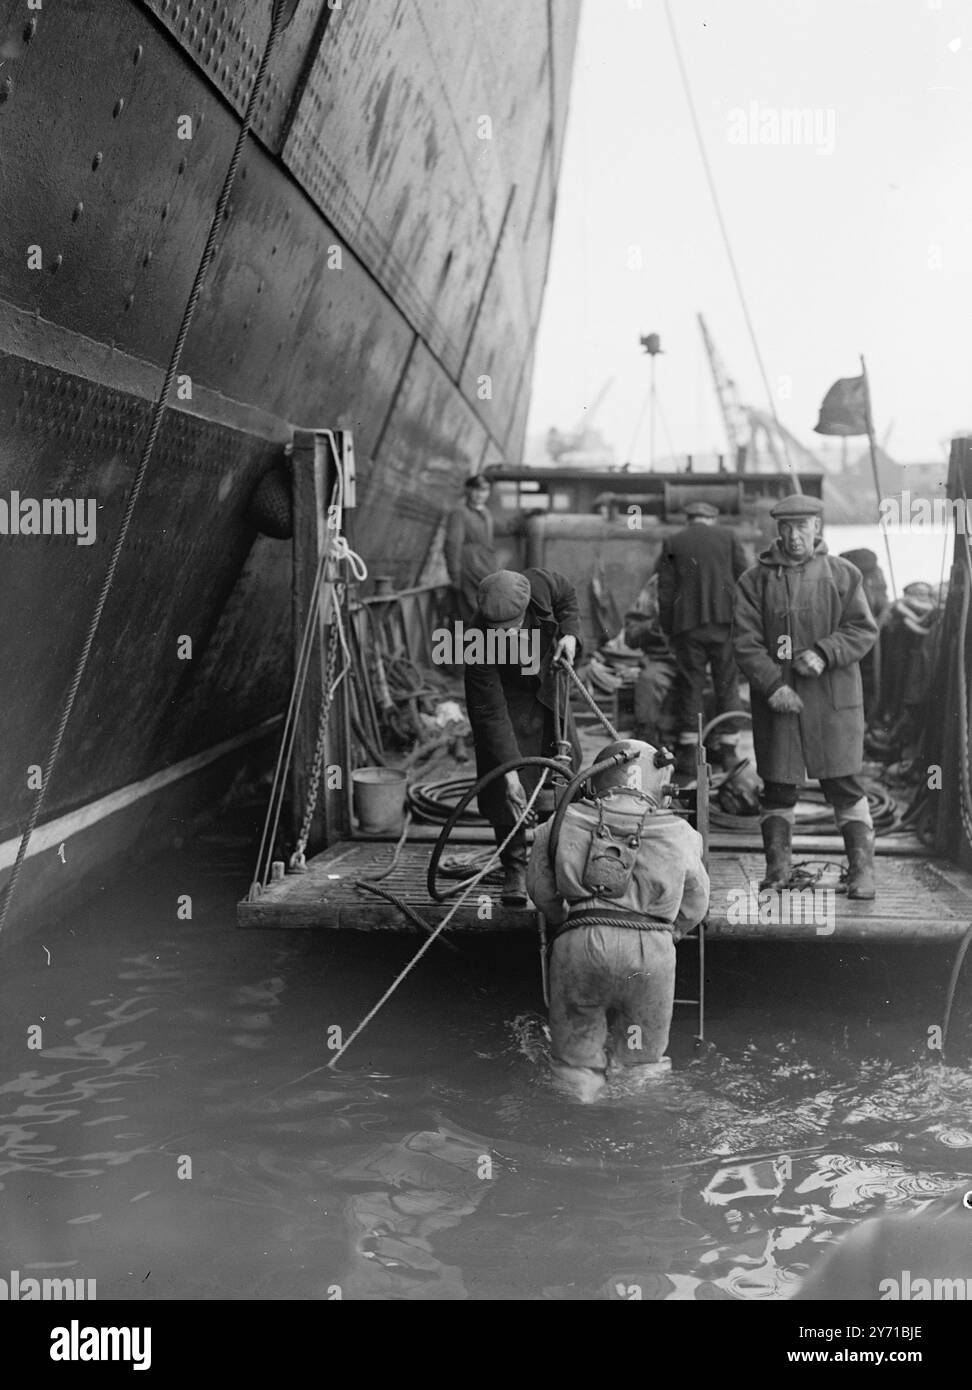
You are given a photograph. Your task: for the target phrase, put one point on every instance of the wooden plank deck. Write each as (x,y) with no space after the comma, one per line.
(920,900)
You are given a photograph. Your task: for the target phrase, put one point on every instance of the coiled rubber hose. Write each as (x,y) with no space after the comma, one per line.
(435,800)
(882,805)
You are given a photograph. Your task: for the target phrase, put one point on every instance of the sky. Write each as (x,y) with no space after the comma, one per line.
(853,237)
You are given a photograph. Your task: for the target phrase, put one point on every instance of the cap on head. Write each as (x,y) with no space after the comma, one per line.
(797,507)
(478,480)
(639,774)
(864,559)
(703,509)
(503,597)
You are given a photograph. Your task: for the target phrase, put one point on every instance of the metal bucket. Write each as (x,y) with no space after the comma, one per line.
(379,798)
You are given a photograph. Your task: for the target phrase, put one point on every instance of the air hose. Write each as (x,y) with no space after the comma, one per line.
(571,790)
(550,764)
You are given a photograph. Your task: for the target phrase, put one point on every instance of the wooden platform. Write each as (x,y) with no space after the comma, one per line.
(920,900)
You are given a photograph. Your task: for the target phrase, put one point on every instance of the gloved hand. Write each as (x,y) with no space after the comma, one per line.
(809,663)
(785,701)
(566,648)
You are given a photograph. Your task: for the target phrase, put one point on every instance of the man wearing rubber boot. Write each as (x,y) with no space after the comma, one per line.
(697,572)
(512,703)
(626,880)
(801,625)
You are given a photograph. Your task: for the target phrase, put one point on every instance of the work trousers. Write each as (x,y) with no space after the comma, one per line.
(694,651)
(651,691)
(611,982)
(839,792)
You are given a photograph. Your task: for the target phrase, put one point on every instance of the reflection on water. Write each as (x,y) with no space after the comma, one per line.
(168,1141)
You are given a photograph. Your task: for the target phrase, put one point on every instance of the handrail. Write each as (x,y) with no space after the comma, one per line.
(403,593)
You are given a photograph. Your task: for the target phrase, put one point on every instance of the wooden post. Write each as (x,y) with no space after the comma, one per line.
(874,469)
(315,470)
(702,825)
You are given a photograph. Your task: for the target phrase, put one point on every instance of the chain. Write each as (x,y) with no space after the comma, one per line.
(591,702)
(297,859)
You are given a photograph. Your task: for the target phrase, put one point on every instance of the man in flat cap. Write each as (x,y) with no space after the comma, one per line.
(697,573)
(801,625)
(469,553)
(511,703)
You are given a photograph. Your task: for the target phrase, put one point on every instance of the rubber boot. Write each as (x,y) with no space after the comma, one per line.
(777,842)
(859,843)
(514,862)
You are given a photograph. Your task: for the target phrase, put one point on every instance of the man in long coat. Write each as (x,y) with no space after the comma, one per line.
(511,706)
(801,625)
(469,553)
(697,572)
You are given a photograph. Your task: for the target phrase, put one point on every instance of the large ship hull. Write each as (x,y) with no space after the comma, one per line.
(381,269)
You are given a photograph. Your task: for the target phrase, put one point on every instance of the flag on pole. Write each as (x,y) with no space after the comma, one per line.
(844,408)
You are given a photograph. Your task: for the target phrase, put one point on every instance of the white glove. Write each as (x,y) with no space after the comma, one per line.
(785,701)
(809,663)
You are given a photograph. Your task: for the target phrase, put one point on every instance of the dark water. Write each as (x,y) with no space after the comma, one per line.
(437,1163)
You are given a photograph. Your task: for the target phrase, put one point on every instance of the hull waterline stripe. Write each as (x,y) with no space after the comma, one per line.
(34,339)
(55,832)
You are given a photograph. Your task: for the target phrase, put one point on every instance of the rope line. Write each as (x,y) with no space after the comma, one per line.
(289,734)
(335,549)
(591,702)
(725,237)
(158,412)
(403,975)
(408,911)
(965,792)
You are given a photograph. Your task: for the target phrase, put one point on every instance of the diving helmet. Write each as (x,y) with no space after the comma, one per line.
(643,769)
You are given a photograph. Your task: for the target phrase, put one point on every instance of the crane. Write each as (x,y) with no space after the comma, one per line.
(757,439)
(735,417)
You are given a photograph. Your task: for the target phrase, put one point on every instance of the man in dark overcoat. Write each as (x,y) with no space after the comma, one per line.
(697,572)
(469,553)
(801,625)
(511,707)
